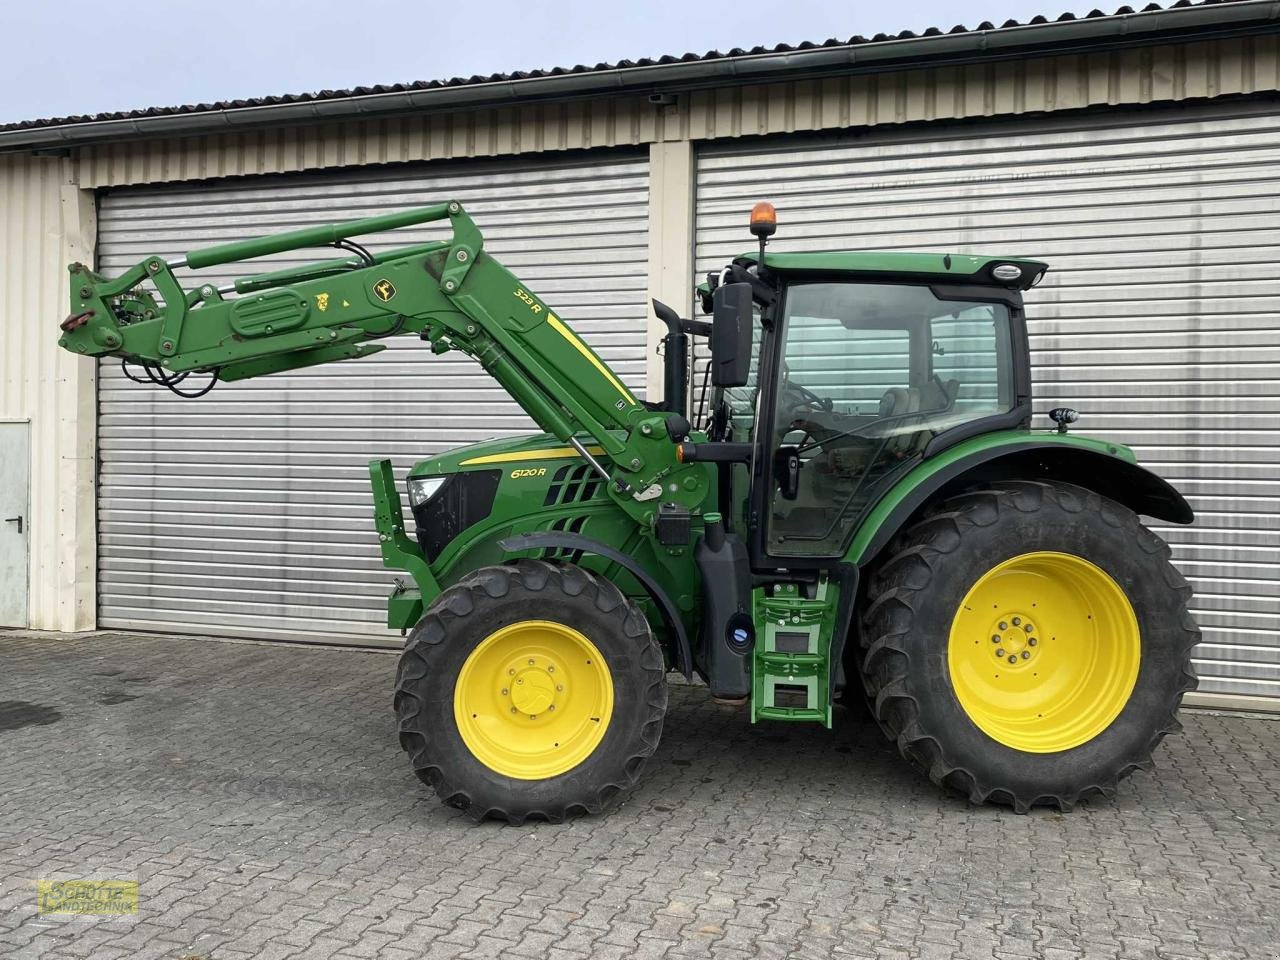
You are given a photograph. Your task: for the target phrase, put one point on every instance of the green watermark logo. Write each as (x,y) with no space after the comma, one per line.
(87,897)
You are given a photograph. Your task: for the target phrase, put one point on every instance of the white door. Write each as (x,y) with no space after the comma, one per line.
(14,471)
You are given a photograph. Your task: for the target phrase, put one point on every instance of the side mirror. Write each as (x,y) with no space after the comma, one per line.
(731,320)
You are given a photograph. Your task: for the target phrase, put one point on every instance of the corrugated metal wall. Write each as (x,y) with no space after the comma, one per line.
(1140,75)
(46,222)
(1160,320)
(248,511)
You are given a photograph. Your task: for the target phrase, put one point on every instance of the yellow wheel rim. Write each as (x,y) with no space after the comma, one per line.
(533,700)
(1044,652)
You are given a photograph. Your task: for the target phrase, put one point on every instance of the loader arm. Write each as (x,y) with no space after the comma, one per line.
(448,292)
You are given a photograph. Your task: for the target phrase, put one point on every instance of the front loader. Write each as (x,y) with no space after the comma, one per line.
(858,507)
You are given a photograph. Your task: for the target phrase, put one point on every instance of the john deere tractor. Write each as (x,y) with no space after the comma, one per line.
(857,506)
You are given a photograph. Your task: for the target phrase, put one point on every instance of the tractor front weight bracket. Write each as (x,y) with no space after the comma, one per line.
(398,551)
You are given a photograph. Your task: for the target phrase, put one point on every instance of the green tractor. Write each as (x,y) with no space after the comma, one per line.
(858,506)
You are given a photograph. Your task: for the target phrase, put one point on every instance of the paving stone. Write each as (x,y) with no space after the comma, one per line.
(258,795)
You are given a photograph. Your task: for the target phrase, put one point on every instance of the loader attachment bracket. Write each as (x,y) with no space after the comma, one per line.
(398,551)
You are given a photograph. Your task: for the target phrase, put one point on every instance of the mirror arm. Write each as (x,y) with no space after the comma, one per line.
(765,293)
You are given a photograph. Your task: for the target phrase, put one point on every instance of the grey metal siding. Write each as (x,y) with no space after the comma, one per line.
(248,512)
(44,225)
(1159,320)
(1038,84)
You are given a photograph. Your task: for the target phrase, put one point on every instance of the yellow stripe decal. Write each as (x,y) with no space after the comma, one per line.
(552,453)
(595,362)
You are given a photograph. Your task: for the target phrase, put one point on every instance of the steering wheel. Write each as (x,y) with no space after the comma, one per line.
(806,397)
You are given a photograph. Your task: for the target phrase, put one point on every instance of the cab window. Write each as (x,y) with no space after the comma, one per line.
(868,374)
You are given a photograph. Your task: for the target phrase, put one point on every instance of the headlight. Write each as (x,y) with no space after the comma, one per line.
(422,489)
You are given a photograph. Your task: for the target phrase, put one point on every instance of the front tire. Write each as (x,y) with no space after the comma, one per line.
(1028,644)
(530,690)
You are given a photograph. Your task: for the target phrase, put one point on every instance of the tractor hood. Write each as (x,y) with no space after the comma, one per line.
(538,449)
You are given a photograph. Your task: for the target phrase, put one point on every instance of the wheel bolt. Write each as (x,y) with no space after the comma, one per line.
(511,673)
(1017,621)
(1003,625)
(1012,658)
(995,638)
(1000,652)
(504,691)
(551,669)
(531,661)
(552,707)
(1027,628)
(1026,654)
(1031,642)
(513,709)
(559,688)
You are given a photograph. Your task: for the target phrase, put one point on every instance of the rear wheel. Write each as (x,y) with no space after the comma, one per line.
(1028,644)
(530,691)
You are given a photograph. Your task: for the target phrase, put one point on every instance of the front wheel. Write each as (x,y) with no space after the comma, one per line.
(530,690)
(1028,644)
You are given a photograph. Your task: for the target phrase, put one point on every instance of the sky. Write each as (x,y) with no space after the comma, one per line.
(67,57)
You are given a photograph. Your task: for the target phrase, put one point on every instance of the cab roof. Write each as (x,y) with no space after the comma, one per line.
(937,267)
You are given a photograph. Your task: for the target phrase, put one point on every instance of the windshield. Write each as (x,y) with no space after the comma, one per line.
(869,374)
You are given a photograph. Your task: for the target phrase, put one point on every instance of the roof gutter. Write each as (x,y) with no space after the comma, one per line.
(1212,21)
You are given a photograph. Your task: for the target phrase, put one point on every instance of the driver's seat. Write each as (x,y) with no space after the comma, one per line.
(898,401)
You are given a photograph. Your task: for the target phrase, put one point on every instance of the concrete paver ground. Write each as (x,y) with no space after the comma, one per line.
(257,794)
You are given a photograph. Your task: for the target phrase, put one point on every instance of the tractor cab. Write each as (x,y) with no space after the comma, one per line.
(832,374)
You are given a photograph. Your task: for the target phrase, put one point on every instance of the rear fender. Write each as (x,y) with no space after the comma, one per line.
(1092,464)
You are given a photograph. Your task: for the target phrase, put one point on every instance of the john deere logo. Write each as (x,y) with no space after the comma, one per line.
(385,290)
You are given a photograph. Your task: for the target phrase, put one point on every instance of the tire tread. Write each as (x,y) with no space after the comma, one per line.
(494,583)
(907,571)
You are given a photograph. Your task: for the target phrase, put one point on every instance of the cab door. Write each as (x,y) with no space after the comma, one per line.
(864,377)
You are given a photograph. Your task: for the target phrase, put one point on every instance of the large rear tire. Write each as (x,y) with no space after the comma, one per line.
(1028,644)
(530,690)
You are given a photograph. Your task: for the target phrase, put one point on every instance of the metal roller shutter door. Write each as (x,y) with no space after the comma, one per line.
(248,512)
(1160,319)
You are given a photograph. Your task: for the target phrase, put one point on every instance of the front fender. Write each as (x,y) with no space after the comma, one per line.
(1106,468)
(576,541)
